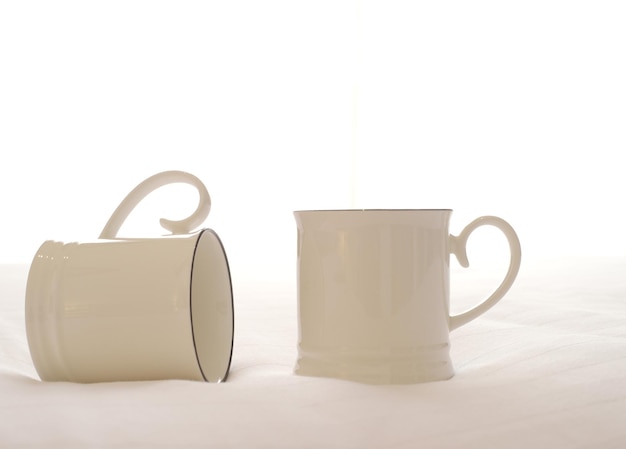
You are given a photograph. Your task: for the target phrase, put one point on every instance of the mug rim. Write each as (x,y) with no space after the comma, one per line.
(371,210)
(196,343)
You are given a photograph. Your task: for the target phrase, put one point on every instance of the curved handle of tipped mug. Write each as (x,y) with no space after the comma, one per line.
(149,185)
(458,248)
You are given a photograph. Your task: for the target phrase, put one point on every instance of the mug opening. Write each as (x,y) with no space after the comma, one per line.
(212,310)
(372,210)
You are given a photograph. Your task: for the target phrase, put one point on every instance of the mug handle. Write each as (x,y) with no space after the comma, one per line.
(184,226)
(458,248)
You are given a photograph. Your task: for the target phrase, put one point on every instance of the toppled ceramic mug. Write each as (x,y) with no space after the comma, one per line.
(123,309)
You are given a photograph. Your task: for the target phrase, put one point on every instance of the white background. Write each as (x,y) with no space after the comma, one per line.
(516,109)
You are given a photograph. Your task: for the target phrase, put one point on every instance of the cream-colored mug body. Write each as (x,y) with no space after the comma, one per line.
(123,309)
(373,293)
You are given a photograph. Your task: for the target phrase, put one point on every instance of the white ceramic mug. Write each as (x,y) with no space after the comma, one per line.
(123,309)
(373,293)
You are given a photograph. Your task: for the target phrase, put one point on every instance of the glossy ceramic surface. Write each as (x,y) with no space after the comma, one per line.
(132,309)
(373,293)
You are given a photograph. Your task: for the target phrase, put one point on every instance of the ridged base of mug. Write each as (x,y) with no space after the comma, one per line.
(431,365)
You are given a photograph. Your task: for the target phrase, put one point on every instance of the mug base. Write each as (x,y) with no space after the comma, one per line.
(376,372)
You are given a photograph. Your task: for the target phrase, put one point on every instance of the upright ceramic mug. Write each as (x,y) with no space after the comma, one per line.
(373,293)
(122,309)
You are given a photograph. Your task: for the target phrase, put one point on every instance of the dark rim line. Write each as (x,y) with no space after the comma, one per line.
(230,283)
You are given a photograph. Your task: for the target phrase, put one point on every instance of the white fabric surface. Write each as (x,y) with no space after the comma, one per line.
(545,368)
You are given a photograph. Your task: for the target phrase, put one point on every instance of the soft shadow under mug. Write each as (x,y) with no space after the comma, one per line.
(123,309)
(373,293)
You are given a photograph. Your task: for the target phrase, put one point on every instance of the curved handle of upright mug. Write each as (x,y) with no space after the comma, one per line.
(458,248)
(149,185)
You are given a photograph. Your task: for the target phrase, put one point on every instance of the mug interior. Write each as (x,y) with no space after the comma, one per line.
(212,315)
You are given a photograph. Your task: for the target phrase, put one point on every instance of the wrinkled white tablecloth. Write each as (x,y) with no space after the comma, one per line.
(545,368)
